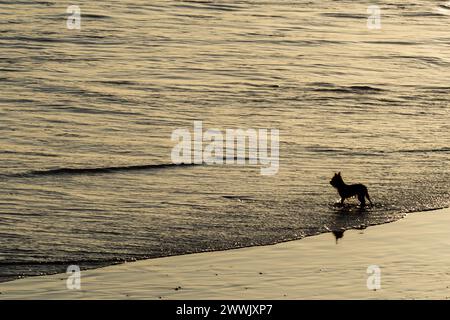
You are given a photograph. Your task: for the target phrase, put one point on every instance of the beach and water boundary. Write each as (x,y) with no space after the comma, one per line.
(412,254)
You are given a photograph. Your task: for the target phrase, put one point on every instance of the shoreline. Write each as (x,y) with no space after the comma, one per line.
(122,262)
(412,254)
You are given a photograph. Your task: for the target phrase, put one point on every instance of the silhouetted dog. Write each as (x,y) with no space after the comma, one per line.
(350,190)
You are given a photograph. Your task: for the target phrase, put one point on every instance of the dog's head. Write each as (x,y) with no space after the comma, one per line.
(336,180)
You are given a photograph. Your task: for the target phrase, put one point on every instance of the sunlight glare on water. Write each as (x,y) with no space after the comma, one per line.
(373,104)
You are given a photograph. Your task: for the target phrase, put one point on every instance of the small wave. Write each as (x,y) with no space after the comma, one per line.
(351,89)
(344,15)
(445,149)
(83,171)
(393,43)
(33,3)
(439,12)
(344,152)
(355,152)
(208,5)
(95,16)
(103,170)
(28,153)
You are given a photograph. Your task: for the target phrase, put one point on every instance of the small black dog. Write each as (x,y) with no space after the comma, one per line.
(350,190)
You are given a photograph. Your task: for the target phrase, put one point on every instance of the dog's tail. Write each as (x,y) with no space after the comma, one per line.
(368,198)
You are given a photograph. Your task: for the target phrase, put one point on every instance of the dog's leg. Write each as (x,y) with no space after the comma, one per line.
(368,198)
(362,199)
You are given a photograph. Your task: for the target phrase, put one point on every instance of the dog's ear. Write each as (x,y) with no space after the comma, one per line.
(339,174)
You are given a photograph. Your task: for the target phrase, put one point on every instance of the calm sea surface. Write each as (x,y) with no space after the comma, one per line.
(373,104)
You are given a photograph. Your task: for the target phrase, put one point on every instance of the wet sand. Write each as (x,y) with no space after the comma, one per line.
(413,255)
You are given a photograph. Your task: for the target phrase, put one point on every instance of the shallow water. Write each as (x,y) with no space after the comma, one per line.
(373,104)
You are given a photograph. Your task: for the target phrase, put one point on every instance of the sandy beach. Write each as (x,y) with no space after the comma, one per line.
(413,256)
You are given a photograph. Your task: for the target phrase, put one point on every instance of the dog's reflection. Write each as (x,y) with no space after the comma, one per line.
(338,234)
